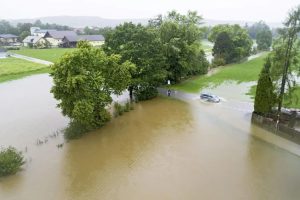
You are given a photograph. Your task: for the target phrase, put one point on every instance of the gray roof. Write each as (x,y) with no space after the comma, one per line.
(32,39)
(60,34)
(8,36)
(72,38)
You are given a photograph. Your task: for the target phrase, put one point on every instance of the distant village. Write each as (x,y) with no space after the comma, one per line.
(42,38)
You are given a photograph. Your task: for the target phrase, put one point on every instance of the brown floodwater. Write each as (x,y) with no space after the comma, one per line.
(164,149)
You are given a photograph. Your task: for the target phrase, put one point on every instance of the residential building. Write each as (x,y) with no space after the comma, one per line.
(71,40)
(94,40)
(34,41)
(56,37)
(8,39)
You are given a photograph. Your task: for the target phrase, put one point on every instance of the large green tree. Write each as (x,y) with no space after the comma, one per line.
(265,97)
(181,38)
(141,46)
(242,44)
(84,81)
(223,48)
(263,37)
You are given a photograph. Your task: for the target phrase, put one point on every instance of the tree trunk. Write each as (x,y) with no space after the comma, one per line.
(130,89)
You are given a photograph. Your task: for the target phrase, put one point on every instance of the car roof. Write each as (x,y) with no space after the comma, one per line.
(207,94)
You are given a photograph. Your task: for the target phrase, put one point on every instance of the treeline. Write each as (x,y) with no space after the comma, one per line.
(23,29)
(134,57)
(96,31)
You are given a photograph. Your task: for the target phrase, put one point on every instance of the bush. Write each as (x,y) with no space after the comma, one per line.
(118,109)
(75,130)
(127,106)
(8,48)
(218,61)
(11,161)
(145,93)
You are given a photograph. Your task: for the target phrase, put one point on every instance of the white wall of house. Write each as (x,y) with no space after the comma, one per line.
(8,40)
(54,42)
(96,43)
(41,41)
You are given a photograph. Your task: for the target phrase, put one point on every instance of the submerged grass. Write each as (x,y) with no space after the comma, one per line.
(241,72)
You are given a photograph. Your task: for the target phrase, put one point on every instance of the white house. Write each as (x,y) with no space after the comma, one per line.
(31,41)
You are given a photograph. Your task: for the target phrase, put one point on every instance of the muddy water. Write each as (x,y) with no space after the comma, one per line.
(164,149)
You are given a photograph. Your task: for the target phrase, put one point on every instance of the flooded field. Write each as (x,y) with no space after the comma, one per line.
(164,149)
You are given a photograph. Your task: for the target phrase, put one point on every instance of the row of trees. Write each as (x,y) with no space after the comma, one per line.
(134,57)
(23,29)
(277,78)
(96,31)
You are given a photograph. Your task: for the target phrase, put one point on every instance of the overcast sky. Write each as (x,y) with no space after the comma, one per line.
(248,10)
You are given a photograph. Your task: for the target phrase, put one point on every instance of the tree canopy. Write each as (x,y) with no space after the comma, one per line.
(181,39)
(84,81)
(141,46)
(224,48)
(240,42)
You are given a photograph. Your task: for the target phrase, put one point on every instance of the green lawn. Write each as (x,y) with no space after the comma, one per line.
(51,55)
(241,72)
(14,68)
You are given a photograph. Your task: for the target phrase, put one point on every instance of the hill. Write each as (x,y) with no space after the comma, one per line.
(83,21)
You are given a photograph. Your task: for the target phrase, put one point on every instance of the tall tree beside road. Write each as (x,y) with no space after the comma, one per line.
(141,46)
(181,39)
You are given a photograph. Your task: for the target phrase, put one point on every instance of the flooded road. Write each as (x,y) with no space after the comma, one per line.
(164,149)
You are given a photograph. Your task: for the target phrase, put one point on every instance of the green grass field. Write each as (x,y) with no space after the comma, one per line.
(14,68)
(51,55)
(241,72)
